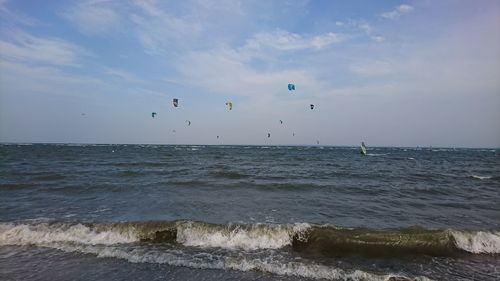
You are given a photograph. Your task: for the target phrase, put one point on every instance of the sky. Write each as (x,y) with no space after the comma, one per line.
(389,73)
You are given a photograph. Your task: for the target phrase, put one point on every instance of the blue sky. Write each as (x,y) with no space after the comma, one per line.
(391,73)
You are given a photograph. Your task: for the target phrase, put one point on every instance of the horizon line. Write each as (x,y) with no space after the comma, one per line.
(275,145)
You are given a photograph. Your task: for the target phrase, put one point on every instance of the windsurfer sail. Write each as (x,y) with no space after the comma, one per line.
(363,148)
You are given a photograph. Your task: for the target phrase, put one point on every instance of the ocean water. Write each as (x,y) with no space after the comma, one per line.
(173,212)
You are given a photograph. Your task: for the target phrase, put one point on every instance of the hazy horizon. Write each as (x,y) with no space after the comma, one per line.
(244,144)
(391,73)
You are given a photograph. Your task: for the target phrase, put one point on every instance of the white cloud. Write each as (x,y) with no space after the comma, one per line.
(153,27)
(158,34)
(94,17)
(158,31)
(285,41)
(233,6)
(378,38)
(362,25)
(149,7)
(122,74)
(463,62)
(20,77)
(397,12)
(371,68)
(231,71)
(223,71)
(9,16)
(29,48)
(367,28)
(322,41)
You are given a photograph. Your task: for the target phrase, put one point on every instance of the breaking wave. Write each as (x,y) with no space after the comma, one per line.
(133,242)
(323,240)
(480,177)
(283,249)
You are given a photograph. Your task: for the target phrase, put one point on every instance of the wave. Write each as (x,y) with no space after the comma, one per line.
(272,264)
(50,177)
(229,174)
(188,233)
(481,177)
(478,242)
(309,239)
(333,241)
(43,234)
(275,266)
(132,242)
(377,154)
(129,173)
(14,186)
(138,164)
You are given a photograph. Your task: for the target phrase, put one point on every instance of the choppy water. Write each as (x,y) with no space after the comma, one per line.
(148,212)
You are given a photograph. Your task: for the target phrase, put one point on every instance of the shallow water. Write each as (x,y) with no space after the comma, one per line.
(156,212)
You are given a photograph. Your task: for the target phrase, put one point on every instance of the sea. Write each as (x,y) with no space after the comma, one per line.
(199,212)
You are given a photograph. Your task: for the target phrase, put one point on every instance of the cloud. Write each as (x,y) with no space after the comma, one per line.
(8,16)
(364,26)
(372,68)
(18,77)
(397,12)
(158,34)
(252,70)
(367,28)
(149,7)
(159,31)
(286,41)
(94,17)
(28,48)
(156,30)
(122,74)
(378,38)
(233,6)
(462,62)
(224,71)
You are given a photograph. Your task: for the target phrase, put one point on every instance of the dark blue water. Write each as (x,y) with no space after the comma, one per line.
(150,212)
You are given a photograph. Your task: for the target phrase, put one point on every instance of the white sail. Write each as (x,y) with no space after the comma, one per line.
(363,148)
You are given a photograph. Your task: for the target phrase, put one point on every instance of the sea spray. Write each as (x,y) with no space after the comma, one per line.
(46,233)
(478,242)
(251,237)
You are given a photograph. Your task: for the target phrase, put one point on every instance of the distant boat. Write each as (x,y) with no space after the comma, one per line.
(363,148)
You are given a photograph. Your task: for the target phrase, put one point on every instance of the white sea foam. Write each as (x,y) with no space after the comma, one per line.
(481,177)
(45,233)
(478,242)
(252,237)
(302,270)
(274,265)
(188,233)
